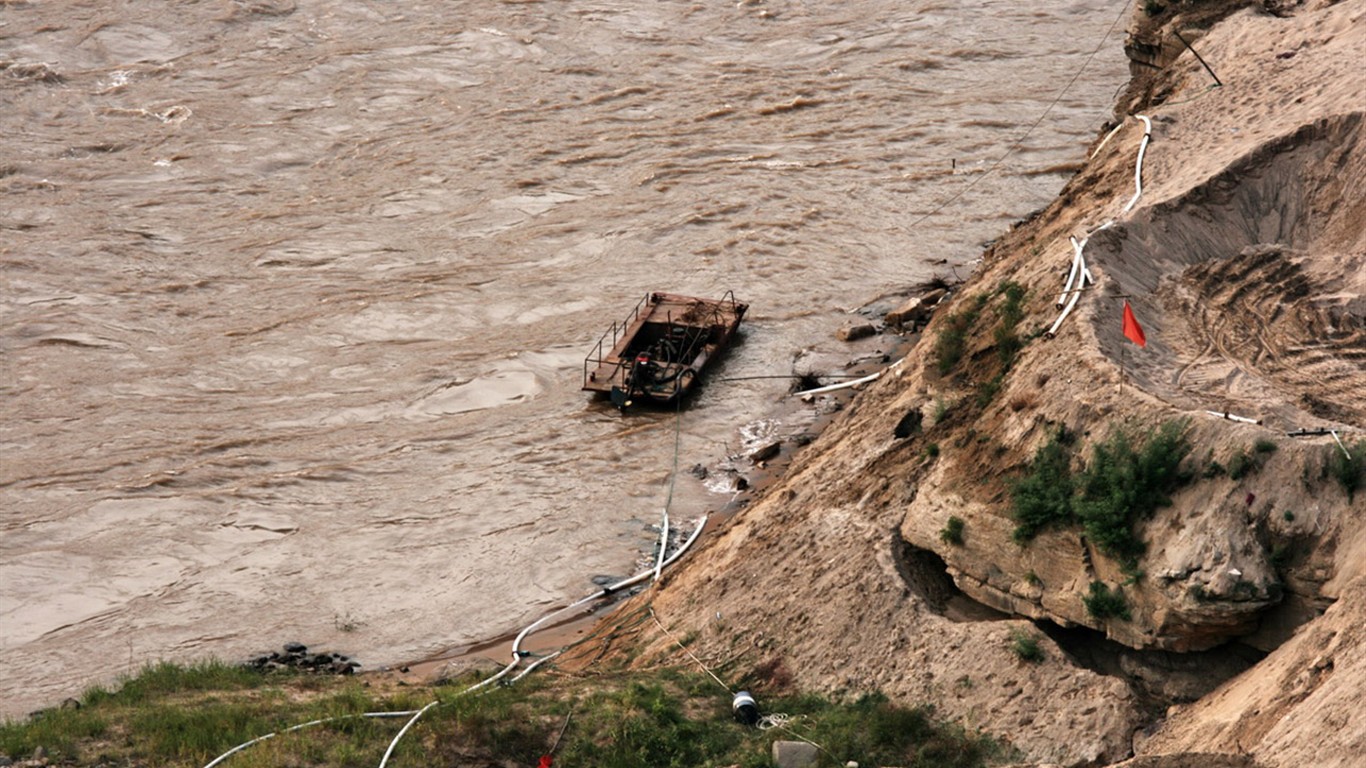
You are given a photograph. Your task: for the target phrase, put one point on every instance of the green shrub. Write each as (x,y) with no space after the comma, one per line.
(1043,497)
(1349,471)
(987,391)
(1121,485)
(1007,339)
(1241,465)
(1104,604)
(952,532)
(953,335)
(932,450)
(1025,646)
(1264,446)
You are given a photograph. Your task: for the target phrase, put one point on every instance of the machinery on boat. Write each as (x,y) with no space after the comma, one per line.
(658,353)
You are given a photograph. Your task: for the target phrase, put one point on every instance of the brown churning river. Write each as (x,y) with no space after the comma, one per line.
(295,296)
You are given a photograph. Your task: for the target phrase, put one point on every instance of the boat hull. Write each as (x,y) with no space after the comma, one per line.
(659,352)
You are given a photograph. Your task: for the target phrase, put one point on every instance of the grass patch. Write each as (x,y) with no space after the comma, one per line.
(1025,646)
(1350,472)
(170,715)
(1241,464)
(1043,497)
(952,532)
(177,715)
(1007,339)
(1126,480)
(989,389)
(1123,484)
(1104,604)
(952,341)
(941,410)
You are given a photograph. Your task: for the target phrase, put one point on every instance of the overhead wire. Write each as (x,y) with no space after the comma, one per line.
(1029,131)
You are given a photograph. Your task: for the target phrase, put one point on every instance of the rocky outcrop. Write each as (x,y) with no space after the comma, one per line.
(1245,261)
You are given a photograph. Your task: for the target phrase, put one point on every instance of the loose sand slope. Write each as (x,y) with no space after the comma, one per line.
(1245,260)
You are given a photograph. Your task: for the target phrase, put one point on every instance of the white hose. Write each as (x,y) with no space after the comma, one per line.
(516,659)
(663,543)
(1334,433)
(1138,166)
(844,385)
(1231,417)
(300,726)
(531,667)
(1071,303)
(385,760)
(1105,140)
(623,584)
(1072,273)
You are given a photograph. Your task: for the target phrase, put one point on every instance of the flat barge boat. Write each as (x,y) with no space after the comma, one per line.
(658,353)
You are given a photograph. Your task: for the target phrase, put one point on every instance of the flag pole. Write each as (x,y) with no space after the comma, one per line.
(1123,364)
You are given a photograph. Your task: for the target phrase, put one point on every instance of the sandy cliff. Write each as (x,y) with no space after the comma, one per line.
(1239,636)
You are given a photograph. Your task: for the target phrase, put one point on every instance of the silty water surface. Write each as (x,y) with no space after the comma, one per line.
(294,295)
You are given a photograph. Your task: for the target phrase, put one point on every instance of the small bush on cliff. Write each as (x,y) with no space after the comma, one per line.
(1242,463)
(952,532)
(953,335)
(1043,497)
(1122,485)
(1349,471)
(1104,604)
(1008,342)
(1025,646)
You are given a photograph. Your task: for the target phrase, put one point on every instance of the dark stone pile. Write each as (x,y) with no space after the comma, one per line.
(296,656)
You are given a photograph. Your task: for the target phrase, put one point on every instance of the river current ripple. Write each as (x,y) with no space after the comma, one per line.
(294,296)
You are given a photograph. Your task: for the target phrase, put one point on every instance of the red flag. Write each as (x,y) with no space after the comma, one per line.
(1132,330)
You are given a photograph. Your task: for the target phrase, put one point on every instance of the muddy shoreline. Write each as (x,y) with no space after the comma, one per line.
(809,419)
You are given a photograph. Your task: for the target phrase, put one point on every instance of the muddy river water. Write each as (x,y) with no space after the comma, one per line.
(294,296)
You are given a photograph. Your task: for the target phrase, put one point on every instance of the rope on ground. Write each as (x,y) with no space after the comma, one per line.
(691,655)
(771,720)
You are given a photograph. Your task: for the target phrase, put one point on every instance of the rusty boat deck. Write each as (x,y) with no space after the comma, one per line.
(658,352)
